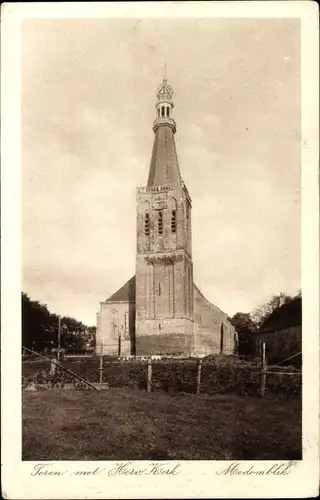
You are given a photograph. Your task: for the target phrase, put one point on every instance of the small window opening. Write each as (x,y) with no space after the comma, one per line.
(160,222)
(147,224)
(173,221)
(162,111)
(159,289)
(159,326)
(159,112)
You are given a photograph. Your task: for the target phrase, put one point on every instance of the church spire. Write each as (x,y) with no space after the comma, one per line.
(164,167)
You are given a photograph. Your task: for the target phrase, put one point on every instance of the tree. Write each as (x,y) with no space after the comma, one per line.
(262,312)
(40,328)
(247,324)
(245,327)
(72,333)
(91,337)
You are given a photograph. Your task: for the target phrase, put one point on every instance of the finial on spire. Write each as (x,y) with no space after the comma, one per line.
(164,104)
(165,92)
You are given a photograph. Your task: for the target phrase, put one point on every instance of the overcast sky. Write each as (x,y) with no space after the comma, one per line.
(88,102)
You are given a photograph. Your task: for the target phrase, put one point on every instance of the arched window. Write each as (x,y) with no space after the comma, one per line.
(147,224)
(168,109)
(172,206)
(221,338)
(160,222)
(173,221)
(162,111)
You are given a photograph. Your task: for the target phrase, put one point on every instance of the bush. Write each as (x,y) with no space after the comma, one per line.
(229,379)
(285,385)
(219,375)
(31,367)
(85,368)
(129,374)
(174,376)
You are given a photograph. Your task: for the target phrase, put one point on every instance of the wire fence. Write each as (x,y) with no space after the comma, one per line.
(214,375)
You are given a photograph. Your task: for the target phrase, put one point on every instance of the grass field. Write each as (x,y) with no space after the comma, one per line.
(135,425)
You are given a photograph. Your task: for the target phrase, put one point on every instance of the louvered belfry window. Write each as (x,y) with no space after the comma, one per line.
(173,221)
(160,222)
(147,224)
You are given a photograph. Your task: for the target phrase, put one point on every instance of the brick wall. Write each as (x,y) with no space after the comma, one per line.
(165,344)
(208,334)
(280,344)
(213,332)
(164,272)
(116,319)
(166,201)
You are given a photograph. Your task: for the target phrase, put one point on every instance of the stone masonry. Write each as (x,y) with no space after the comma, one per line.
(160,310)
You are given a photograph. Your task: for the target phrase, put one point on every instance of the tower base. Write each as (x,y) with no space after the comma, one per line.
(165,337)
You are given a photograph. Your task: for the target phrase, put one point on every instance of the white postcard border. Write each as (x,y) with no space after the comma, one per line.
(197,478)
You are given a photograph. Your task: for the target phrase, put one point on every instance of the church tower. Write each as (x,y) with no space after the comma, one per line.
(164,268)
(160,310)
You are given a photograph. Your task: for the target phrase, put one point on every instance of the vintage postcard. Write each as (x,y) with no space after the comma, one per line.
(160,250)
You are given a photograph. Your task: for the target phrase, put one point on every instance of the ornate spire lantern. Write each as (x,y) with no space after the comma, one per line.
(164,106)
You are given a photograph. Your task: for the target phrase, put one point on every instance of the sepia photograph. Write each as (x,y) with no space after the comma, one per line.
(161,254)
(160,201)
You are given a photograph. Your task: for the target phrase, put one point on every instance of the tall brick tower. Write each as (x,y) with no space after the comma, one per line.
(164,268)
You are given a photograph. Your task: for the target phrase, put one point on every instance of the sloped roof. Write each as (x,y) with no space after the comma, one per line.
(289,314)
(212,306)
(164,167)
(127,293)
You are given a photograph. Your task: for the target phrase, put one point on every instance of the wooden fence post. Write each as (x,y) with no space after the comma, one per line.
(199,375)
(101,369)
(149,377)
(59,339)
(61,379)
(52,368)
(264,367)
